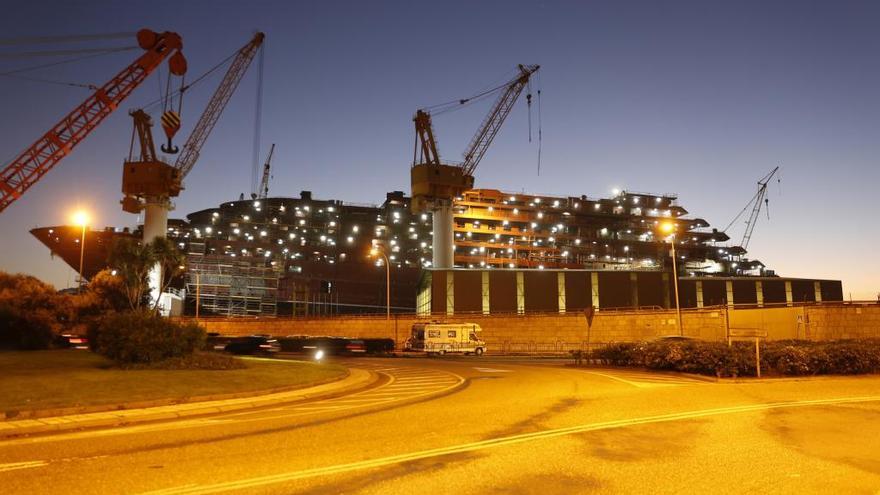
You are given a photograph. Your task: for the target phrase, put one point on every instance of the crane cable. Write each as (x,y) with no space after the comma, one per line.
(451,105)
(34,40)
(539,127)
(16,73)
(258,119)
(149,107)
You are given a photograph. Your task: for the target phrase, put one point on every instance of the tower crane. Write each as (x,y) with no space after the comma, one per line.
(149,183)
(757,201)
(39,158)
(435,184)
(263,191)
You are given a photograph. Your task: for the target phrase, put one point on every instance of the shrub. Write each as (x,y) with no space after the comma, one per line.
(195,361)
(849,357)
(793,357)
(141,337)
(618,354)
(22,330)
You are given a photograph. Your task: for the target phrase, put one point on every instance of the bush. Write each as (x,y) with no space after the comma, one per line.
(22,330)
(141,337)
(845,357)
(619,354)
(195,361)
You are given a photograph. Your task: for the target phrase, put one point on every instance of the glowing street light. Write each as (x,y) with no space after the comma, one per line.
(81,218)
(669,228)
(374,252)
(378,252)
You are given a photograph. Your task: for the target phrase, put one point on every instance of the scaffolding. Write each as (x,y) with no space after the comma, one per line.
(229,286)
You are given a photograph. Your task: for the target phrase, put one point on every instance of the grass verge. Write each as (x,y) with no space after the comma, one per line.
(38,380)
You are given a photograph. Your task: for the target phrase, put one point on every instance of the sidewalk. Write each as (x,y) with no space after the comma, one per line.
(356,380)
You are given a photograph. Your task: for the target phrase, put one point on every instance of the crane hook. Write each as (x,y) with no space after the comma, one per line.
(170,124)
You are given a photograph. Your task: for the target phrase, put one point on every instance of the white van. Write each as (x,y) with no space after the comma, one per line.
(442,338)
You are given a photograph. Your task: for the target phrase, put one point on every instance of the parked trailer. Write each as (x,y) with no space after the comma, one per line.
(444,338)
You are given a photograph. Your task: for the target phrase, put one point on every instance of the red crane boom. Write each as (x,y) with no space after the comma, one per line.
(32,164)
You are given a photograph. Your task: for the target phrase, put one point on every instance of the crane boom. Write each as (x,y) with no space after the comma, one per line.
(493,121)
(759,200)
(32,164)
(264,184)
(190,154)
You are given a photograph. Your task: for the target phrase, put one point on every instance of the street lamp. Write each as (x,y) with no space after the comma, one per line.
(81,218)
(669,228)
(374,252)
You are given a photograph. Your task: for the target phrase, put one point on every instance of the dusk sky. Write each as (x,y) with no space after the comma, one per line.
(696,98)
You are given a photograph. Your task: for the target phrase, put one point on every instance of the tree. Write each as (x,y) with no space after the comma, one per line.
(30,312)
(170,259)
(108,290)
(132,262)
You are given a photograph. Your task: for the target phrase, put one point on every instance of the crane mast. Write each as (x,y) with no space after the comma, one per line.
(39,158)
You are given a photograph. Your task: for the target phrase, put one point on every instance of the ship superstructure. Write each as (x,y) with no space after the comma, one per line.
(302,255)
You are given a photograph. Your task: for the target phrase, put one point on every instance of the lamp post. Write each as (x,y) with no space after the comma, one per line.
(81,218)
(669,227)
(375,252)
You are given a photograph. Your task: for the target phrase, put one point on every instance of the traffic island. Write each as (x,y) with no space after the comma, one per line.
(39,384)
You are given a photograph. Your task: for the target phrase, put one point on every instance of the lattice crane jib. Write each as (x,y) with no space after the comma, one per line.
(237,69)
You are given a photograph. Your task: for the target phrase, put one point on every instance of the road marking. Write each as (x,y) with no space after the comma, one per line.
(12,466)
(492,370)
(170,490)
(442,381)
(503,441)
(649,381)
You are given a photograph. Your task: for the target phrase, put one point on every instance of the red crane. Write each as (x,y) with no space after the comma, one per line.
(34,162)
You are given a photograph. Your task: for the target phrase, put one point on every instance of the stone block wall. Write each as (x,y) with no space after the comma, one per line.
(554,332)
(842,322)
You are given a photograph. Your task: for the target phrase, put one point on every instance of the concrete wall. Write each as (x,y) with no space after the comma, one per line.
(555,332)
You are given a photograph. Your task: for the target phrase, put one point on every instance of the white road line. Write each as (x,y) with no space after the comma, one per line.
(619,379)
(381,395)
(500,442)
(12,466)
(492,370)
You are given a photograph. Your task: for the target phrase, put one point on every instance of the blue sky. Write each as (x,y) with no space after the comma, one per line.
(697,98)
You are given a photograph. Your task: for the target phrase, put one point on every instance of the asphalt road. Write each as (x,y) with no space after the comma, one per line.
(489,425)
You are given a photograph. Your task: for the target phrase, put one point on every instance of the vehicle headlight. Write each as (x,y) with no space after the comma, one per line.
(319,354)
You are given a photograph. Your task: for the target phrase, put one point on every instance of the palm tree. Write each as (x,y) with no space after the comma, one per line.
(171,262)
(132,262)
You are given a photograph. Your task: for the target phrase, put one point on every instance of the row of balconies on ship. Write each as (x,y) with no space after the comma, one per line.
(496,197)
(632,235)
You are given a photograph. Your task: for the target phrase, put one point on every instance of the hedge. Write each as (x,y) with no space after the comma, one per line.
(793,357)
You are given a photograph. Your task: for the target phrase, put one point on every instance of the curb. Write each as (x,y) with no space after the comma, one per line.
(79,410)
(356,380)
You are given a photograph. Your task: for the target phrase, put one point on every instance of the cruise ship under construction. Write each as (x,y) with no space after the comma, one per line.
(448,246)
(309,256)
